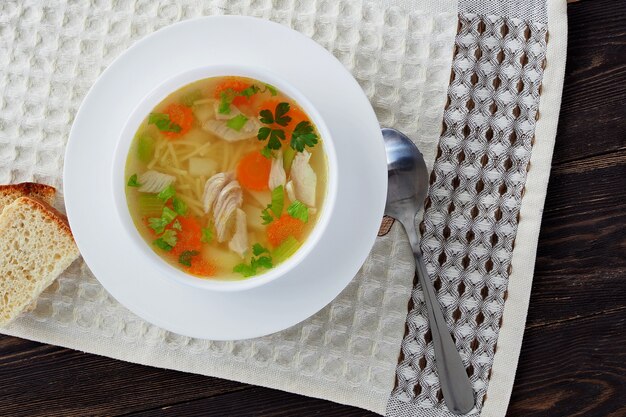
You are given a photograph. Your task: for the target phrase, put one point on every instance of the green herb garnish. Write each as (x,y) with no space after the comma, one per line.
(275,208)
(167,193)
(237,122)
(167,241)
(275,136)
(179,205)
(303,135)
(279,117)
(249,92)
(176,225)
(158,224)
(257,249)
(132,181)
(298,210)
(163,123)
(255,263)
(185,257)
(207,235)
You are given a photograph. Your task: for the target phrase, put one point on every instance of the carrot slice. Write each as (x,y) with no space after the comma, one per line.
(180,115)
(201,267)
(253,171)
(189,238)
(280,229)
(237,86)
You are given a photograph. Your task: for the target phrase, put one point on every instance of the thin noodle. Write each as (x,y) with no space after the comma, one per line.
(196,151)
(170,148)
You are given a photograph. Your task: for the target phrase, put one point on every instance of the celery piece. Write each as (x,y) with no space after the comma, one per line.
(285,249)
(145,147)
(288,156)
(150,205)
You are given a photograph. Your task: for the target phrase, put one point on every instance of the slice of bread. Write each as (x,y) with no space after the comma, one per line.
(11,192)
(36,245)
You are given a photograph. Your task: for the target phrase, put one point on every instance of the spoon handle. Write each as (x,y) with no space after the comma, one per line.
(455,384)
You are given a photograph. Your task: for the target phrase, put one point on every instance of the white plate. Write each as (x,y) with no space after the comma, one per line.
(140,283)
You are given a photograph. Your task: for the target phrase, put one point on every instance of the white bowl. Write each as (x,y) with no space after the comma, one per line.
(125,141)
(127,91)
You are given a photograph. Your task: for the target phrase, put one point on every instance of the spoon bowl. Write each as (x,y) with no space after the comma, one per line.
(407,176)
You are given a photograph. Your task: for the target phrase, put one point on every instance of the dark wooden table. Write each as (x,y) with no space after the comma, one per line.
(573,360)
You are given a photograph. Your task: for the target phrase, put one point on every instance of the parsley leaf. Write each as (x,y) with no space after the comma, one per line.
(245,270)
(250,91)
(302,136)
(185,257)
(264,132)
(167,193)
(280,114)
(237,122)
(176,226)
(132,181)
(257,249)
(179,205)
(280,118)
(168,215)
(263,262)
(298,210)
(158,224)
(266,116)
(266,216)
(275,137)
(167,240)
(207,235)
(276,206)
(255,263)
(163,123)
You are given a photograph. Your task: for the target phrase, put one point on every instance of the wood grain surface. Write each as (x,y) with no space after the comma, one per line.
(573,360)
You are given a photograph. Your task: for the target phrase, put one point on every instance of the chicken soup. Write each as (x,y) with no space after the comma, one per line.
(226,178)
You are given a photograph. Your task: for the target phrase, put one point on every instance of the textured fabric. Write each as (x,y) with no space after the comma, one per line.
(50,55)
(523,260)
(531,10)
(471,217)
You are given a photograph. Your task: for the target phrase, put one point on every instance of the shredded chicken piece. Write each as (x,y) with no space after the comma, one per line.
(213,187)
(154,181)
(220,129)
(217,123)
(290,191)
(239,242)
(304,178)
(228,202)
(277,172)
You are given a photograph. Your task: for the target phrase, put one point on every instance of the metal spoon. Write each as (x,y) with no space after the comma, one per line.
(408,184)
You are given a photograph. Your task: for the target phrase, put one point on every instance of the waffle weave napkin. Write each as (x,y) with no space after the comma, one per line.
(476,84)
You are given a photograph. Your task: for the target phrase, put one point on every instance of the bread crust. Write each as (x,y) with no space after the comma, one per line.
(42,191)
